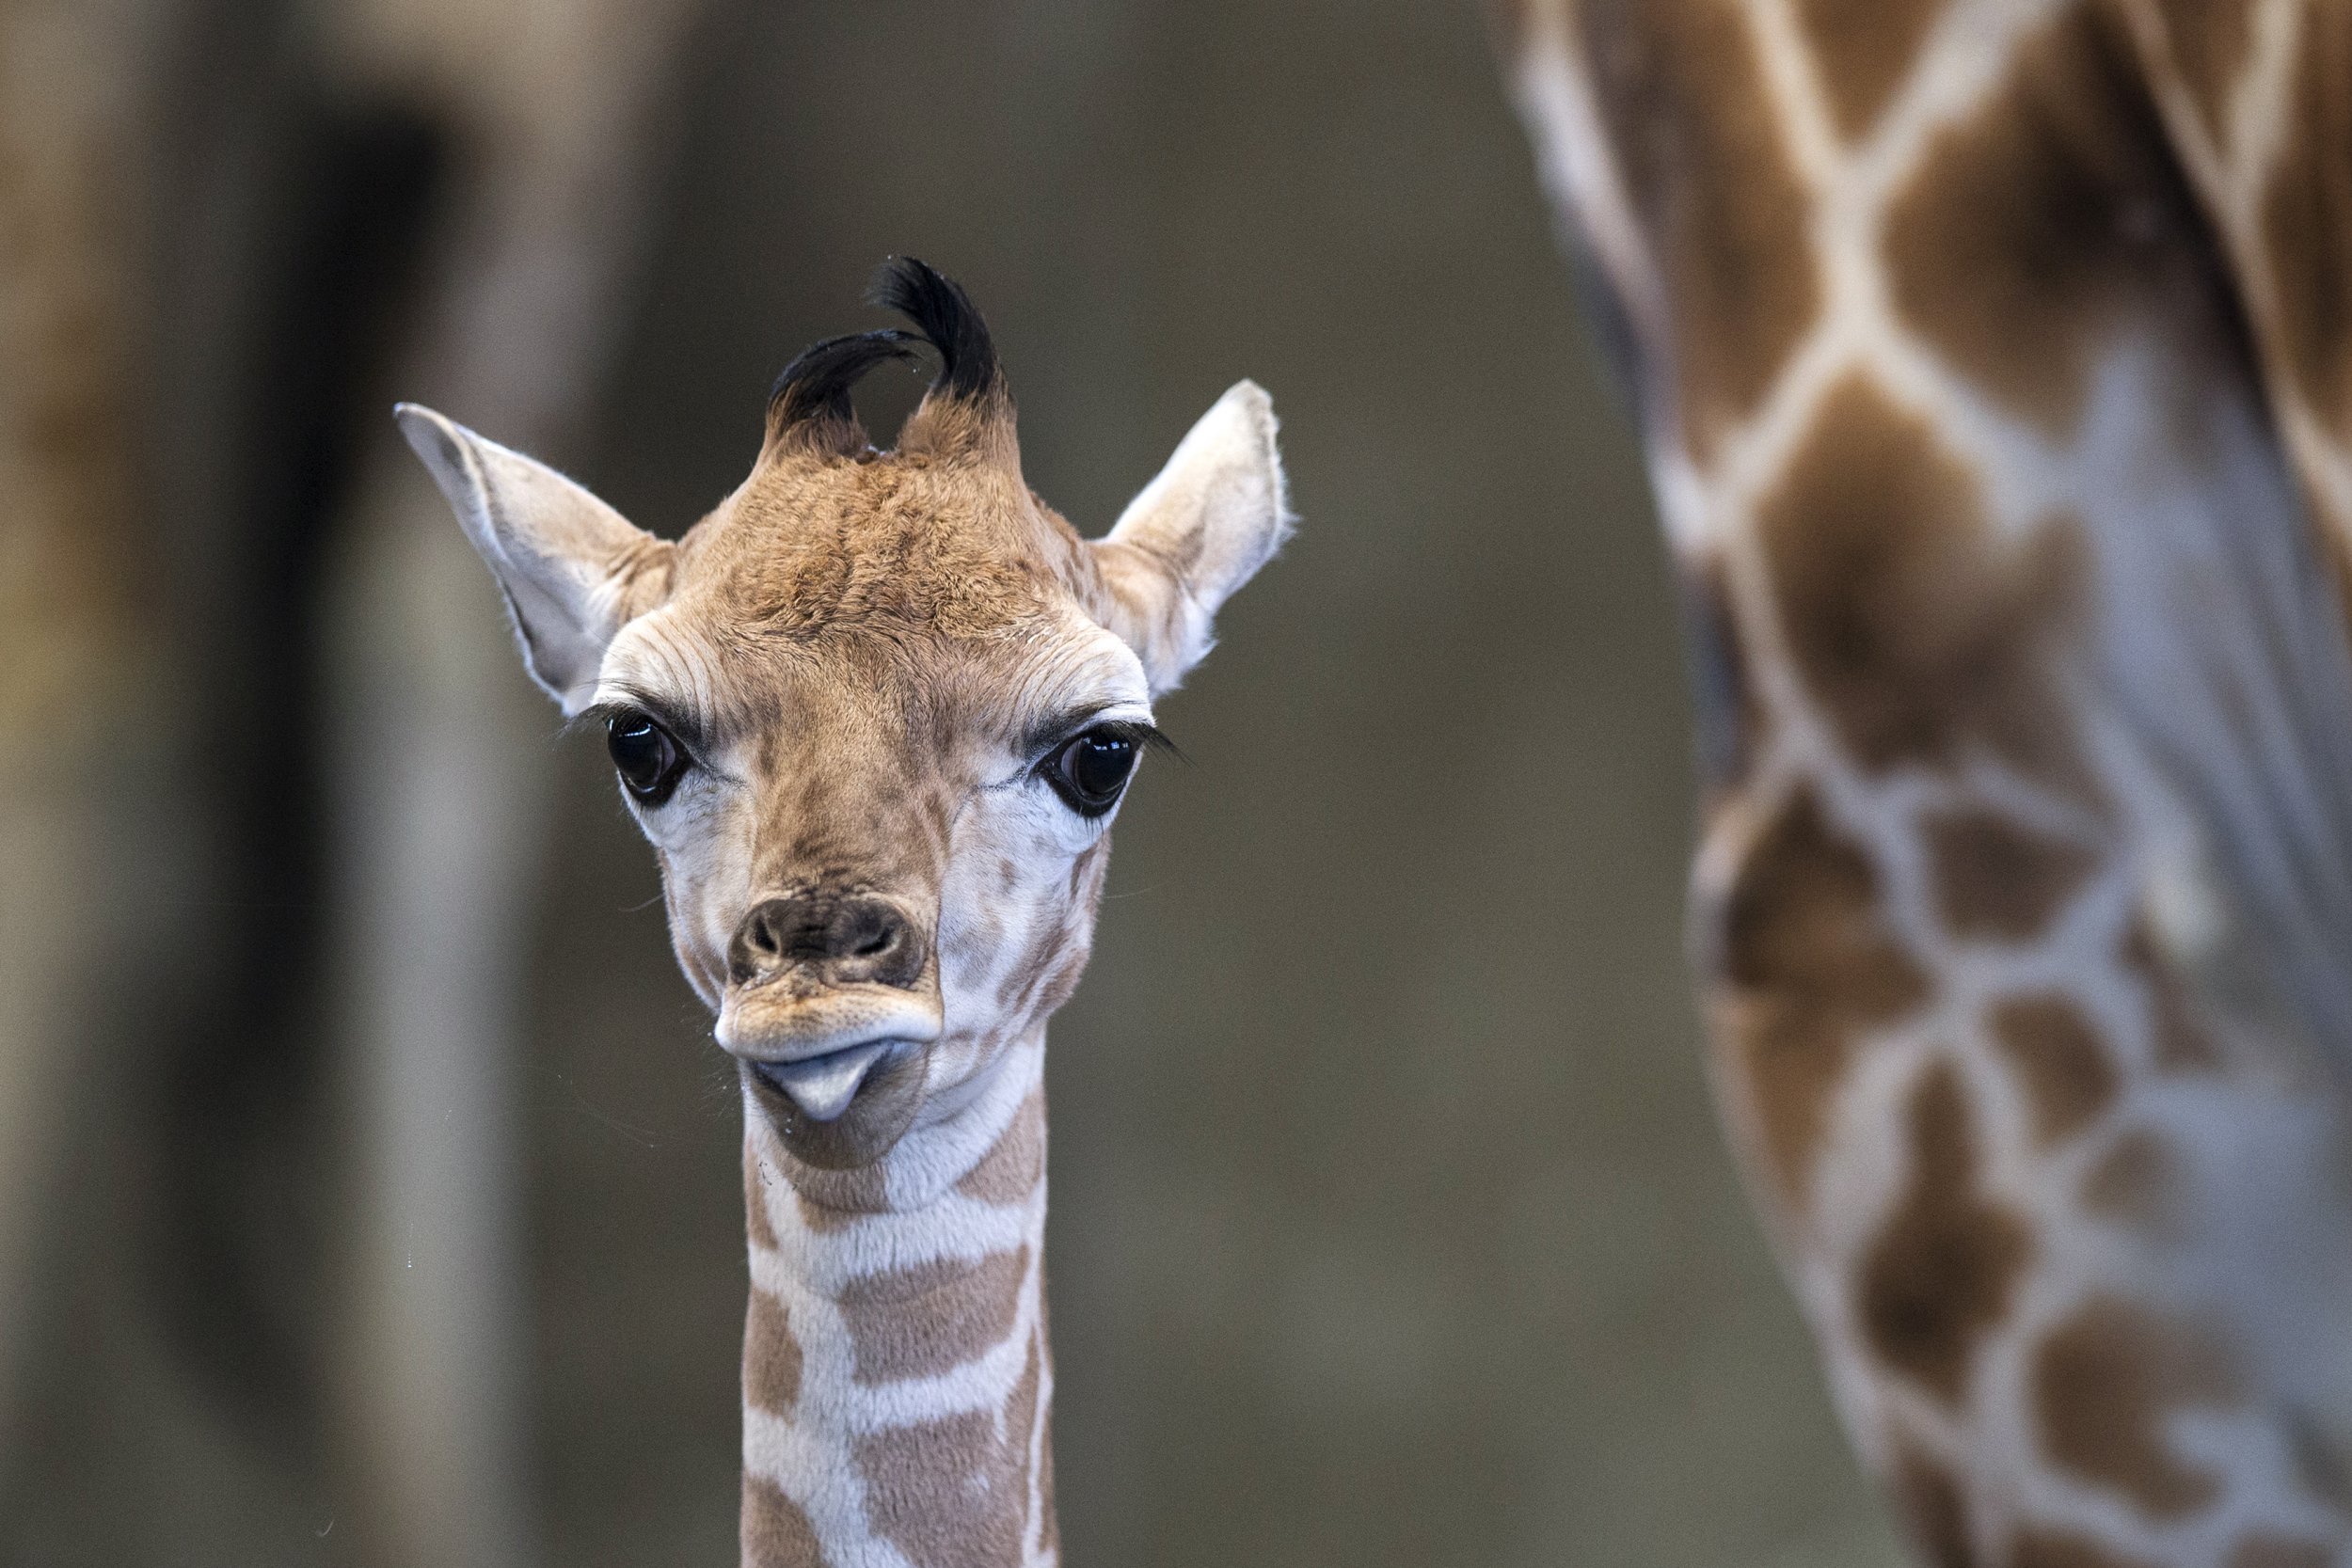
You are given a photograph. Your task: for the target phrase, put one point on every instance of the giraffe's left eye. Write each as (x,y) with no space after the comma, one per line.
(647,758)
(1091,768)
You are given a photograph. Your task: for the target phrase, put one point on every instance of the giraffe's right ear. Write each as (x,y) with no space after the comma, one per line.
(1216,513)
(573,570)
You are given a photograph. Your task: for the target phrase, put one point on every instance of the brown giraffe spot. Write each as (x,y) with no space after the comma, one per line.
(950,1492)
(1808,966)
(2208,40)
(1997,879)
(2178,1039)
(755,1220)
(1923,635)
(2067,1075)
(1936,1510)
(1862,51)
(2134,1184)
(1723,700)
(2278,1551)
(827,1216)
(2104,1382)
(2307,220)
(1051,1532)
(2041,1548)
(921,1320)
(1682,90)
(771,1355)
(776,1533)
(1009,1171)
(1940,1273)
(1021,1422)
(2035,227)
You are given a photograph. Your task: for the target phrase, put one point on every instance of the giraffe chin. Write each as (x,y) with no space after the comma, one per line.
(846,1109)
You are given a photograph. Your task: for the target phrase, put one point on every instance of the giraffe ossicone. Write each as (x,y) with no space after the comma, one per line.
(876,714)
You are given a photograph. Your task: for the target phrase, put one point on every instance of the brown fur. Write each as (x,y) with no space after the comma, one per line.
(2037,225)
(1934,1509)
(2307,222)
(1808,967)
(772,1356)
(1011,1170)
(1682,90)
(951,1492)
(1940,1274)
(823,1216)
(811,547)
(1863,49)
(1999,880)
(1923,637)
(2208,40)
(2104,1382)
(2059,1060)
(776,1534)
(1052,1534)
(927,1319)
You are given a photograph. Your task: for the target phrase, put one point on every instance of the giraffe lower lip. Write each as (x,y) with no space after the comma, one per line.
(823,1086)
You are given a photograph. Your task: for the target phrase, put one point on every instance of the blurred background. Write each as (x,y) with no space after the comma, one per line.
(368,1183)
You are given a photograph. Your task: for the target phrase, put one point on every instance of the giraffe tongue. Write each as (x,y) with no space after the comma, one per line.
(822,1087)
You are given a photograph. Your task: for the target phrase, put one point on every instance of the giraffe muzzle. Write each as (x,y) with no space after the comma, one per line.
(826,993)
(818,1050)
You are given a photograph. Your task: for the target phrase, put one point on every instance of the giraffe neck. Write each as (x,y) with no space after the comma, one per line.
(897,1383)
(2025,684)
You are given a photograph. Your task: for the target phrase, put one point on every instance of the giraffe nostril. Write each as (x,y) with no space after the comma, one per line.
(839,939)
(760,935)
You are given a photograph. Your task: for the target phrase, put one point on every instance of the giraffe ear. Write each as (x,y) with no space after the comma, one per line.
(1215,515)
(574,571)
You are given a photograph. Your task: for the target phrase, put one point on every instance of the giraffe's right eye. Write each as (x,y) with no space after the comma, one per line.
(647,758)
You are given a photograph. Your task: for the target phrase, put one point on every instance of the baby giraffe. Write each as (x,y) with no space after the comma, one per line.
(875,713)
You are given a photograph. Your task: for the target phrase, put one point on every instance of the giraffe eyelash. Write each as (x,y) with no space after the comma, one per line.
(598,716)
(1136,731)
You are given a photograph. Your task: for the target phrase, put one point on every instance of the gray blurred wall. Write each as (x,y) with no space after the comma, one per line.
(1391,1222)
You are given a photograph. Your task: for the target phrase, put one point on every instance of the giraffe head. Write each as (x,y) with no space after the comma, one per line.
(876,710)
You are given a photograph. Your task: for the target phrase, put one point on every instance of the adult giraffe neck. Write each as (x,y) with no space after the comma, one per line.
(897,1385)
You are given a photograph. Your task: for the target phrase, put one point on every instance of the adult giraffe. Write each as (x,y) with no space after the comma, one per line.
(1994,364)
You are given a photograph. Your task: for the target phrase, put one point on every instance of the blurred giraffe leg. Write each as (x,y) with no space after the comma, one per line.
(439,764)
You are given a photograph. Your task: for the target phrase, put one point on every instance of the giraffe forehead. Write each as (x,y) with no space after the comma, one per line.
(857,694)
(903,547)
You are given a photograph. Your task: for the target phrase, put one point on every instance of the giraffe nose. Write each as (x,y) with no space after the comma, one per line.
(837,939)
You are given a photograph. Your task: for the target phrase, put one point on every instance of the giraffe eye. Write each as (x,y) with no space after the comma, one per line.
(1090,769)
(647,759)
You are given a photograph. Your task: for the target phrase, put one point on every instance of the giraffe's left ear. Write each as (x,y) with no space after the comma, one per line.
(1215,515)
(573,570)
